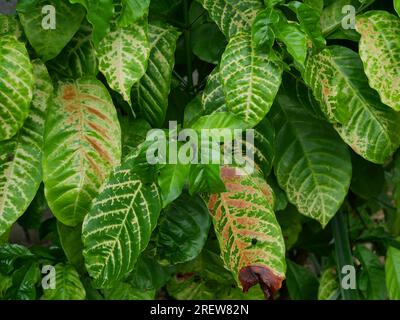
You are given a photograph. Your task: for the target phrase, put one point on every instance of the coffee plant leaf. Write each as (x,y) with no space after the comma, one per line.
(82,143)
(119,225)
(301,161)
(250,238)
(232,16)
(123,57)
(71,242)
(369,127)
(328,285)
(68,285)
(392,271)
(171,180)
(301,282)
(10,25)
(183,229)
(16,86)
(250,80)
(379,50)
(152,90)
(213,98)
(397,6)
(133,10)
(49,40)
(77,59)
(20,157)
(99,14)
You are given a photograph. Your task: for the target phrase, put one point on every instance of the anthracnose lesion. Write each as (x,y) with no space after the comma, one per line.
(8,6)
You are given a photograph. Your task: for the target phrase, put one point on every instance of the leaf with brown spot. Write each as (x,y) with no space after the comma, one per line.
(251,241)
(82,144)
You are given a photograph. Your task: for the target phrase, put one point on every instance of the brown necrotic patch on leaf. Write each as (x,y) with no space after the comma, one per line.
(269,282)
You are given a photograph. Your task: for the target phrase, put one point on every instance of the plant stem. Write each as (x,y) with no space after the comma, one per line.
(343,252)
(187,45)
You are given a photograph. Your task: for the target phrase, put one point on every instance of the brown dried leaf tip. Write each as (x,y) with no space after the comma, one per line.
(269,282)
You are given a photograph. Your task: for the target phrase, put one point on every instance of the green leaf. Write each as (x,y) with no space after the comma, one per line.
(290,221)
(262,29)
(123,57)
(149,274)
(250,238)
(339,84)
(213,98)
(68,285)
(207,42)
(133,10)
(152,91)
(33,216)
(183,229)
(368,179)
(294,39)
(397,6)
(99,14)
(328,285)
(5,283)
(205,178)
(119,225)
(10,253)
(134,132)
(392,273)
(374,273)
(219,120)
(10,25)
(379,50)
(48,43)
(250,79)
(305,147)
(24,283)
(171,181)
(16,86)
(309,19)
(264,140)
(71,242)
(332,15)
(301,283)
(125,291)
(21,156)
(232,16)
(82,144)
(77,59)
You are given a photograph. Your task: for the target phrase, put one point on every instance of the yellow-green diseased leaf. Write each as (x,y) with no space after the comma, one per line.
(232,16)
(152,91)
(213,98)
(132,10)
(16,86)
(71,242)
(99,14)
(328,285)
(397,6)
(379,50)
(119,225)
(250,238)
(68,286)
(77,59)
(250,79)
(48,40)
(82,143)
(21,156)
(125,291)
(338,82)
(10,25)
(392,273)
(305,148)
(123,57)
